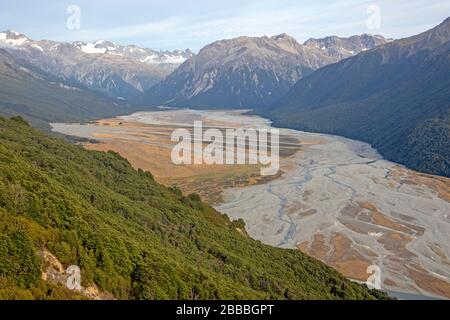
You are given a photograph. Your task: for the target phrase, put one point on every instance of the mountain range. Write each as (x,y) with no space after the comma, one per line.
(395,97)
(392,94)
(42,98)
(122,72)
(251,72)
(136,239)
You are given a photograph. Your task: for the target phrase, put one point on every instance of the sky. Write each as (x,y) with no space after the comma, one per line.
(180,24)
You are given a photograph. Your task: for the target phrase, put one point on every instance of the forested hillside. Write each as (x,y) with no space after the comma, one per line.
(132,237)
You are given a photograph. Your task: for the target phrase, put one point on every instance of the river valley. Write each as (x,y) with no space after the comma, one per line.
(335,199)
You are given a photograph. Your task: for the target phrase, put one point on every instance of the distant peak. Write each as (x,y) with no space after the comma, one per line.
(13,34)
(282,36)
(445,23)
(13,38)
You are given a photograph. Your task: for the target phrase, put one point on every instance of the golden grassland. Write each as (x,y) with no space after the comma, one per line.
(150,149)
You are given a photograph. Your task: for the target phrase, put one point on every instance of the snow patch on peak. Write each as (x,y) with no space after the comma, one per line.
(37,47)
(13,38)
(15,42)
(133,52)
(174,59)
(150,59)
(91,48)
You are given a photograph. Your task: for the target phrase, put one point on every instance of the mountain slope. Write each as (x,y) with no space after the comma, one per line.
(341,48)
(118,71)
(132,237)
(395,97)
(40,98)
(244,72)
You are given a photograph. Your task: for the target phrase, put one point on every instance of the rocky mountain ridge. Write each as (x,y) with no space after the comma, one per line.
(250,72)
(122,72)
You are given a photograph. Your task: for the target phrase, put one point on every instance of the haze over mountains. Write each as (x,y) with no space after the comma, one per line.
(249,72)
(395,96)
(118,71)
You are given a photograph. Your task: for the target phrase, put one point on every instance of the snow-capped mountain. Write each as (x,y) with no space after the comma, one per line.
(119,71)
(133,52)
(13,38)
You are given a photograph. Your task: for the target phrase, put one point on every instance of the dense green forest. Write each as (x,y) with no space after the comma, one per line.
(131,236)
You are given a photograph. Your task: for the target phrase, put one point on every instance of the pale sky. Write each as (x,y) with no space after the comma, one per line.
(180,24)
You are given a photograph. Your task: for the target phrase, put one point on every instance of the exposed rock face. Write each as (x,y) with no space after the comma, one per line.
(54,272)
(249,72)
(118,71)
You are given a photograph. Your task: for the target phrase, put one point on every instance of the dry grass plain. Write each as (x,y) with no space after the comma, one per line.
(148,147)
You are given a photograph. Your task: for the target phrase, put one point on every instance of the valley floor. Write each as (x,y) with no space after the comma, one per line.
(336,199)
